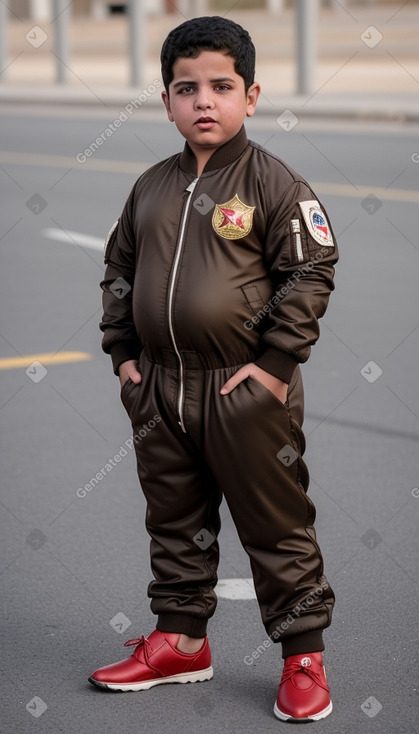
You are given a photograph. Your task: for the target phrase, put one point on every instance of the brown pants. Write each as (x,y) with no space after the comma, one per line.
(246,446)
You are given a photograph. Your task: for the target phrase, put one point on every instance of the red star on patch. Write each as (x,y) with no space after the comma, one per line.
(232,217)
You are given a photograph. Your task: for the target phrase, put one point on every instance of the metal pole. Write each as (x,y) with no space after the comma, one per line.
(4,14)
(137,38)
(275,6)
(201,7)
(306,32)
(61,20)
(184,8)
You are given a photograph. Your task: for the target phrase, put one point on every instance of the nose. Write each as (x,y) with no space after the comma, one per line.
(203,100)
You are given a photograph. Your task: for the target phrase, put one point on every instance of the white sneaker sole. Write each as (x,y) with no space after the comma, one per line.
(314,717)
(196,677)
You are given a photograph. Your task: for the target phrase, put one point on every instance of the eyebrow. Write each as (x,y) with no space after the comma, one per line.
(213,81)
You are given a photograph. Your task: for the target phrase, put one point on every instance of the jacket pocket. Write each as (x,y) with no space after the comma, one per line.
(253,297)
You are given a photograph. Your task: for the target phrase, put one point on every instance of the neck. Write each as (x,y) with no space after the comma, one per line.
(195,160)
(202,158)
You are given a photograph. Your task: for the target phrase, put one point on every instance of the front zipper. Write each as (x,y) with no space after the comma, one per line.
(178,252)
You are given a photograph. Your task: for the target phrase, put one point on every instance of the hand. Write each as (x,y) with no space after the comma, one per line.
(129,369)
(274,384)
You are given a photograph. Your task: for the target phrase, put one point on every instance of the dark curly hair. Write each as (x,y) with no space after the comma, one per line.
(209,33)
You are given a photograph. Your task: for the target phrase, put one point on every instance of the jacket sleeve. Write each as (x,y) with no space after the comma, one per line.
(120,338)
(300,252)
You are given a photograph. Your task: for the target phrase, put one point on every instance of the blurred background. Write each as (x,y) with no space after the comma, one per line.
(90,42)
(80,119)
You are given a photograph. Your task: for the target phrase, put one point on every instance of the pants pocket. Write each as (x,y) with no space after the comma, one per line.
(268,392)
(128,392)
(126,384)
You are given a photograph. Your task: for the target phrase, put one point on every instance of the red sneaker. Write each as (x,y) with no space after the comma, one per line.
(155,660)
(303,693)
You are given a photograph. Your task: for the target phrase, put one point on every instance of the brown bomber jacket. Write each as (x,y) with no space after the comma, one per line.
(235,266)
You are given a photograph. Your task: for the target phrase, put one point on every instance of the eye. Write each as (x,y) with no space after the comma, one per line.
(223,87)
(186,90)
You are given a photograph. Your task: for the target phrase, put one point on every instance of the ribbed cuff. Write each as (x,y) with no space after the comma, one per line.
(123,351)
(182,624)
(277,363)
(311,641)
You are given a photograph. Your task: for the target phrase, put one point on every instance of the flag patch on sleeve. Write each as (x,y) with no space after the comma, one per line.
(316,222)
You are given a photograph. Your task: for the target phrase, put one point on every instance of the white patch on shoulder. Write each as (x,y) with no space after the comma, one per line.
(316,222)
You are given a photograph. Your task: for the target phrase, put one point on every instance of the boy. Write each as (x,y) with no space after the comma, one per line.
(217,273)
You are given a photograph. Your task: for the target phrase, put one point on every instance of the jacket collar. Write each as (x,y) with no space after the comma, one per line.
(223,156)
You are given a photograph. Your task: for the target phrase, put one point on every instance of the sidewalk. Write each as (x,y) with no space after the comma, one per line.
(368,62)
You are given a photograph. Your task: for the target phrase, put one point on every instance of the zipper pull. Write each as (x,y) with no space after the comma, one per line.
(192,185)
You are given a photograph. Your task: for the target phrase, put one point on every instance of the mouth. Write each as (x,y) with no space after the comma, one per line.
(205,123)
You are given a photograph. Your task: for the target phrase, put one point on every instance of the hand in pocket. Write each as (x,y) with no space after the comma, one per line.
(129,370)
(274,384)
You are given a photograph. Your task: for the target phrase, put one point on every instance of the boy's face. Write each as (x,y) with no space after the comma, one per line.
(207,100)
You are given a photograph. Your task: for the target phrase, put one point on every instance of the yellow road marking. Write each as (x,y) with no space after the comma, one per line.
(8,363)
(62,161)
(95,164)
(361,192)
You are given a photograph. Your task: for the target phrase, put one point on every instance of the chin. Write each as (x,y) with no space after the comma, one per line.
(206,139)
(209,143)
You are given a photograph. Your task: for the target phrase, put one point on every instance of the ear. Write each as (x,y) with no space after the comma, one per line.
(252,97)
(166,102)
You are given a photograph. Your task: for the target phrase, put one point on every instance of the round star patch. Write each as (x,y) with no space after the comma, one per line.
(233,219)
(316,222)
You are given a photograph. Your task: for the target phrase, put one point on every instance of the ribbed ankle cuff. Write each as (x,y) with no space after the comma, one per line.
(182,624)
(311,641)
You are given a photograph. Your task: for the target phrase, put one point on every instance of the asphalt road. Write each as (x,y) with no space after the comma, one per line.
(74,569)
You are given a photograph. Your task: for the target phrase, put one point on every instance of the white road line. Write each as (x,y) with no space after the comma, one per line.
(74,238)
(235,589)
